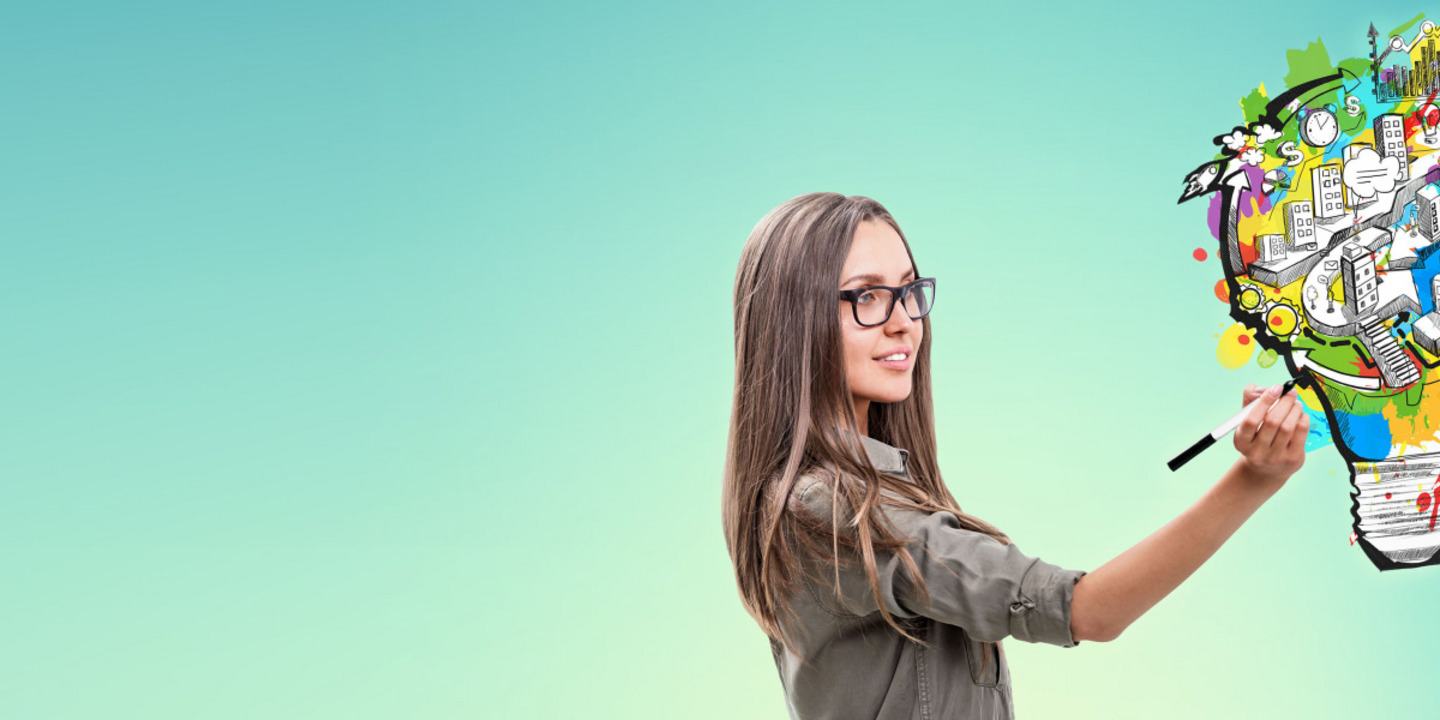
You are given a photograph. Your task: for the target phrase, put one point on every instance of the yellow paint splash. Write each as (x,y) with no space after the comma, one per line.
(1233,351)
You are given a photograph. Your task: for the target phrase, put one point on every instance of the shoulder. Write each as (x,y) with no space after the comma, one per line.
(814,495)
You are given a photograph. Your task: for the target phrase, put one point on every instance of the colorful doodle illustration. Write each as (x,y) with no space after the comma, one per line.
(1326,207)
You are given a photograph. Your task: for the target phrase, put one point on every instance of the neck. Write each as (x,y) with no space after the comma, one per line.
(862,416)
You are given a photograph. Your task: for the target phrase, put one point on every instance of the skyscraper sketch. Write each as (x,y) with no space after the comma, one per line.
(1300,225)
(1270,247)
(1427,211)
(1357,275)
(1329,201)
(1390,140)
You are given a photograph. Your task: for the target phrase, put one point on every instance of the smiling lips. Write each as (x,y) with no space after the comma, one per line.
(896,359)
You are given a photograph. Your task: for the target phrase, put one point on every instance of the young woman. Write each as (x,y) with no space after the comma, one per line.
(881,598)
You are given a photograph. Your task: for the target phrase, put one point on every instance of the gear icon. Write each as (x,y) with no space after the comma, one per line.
(1281,319)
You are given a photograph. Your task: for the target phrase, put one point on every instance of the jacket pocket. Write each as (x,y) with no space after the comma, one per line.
(984,661)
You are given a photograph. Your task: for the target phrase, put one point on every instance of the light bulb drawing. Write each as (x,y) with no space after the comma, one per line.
(1332,262)
(1430,122)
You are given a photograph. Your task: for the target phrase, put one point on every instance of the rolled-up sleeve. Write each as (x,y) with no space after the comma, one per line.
(991,590)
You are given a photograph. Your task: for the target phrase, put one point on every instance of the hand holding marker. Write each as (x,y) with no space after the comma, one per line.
(1227,427)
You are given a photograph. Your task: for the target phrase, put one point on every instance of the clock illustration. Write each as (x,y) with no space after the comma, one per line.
(1318,127)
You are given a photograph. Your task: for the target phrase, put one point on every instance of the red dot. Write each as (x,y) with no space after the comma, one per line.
(1244,339)
(1222,291)
(1200,254)
(1422,503)
(1387,496)
(1276,321)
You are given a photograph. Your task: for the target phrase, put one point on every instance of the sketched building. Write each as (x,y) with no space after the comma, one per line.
(1390,139)
(1426,332)
(1279,264)
(1329,202)
(1357,274)
(1300,225)
(1271,247)
(1427,212)
(1352,150)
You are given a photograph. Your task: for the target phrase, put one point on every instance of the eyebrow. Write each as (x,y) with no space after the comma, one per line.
(874,279)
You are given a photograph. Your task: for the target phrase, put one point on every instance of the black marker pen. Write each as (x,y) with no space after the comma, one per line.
(1225,428)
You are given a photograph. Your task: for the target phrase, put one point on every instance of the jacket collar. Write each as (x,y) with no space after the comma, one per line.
(886,458)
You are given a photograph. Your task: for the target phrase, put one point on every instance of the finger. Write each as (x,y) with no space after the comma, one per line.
(1245,434)
(1288,425)
(1265,437)
(1273,425)
(1252,391)
(1302,434)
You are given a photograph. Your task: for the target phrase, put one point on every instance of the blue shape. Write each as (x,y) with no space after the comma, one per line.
(1422,275)
(1319,435)
(1367,435)
(1407,217)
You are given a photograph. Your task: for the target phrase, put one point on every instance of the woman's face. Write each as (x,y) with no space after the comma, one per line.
(877,257)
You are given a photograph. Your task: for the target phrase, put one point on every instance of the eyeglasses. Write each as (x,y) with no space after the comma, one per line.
(872,305)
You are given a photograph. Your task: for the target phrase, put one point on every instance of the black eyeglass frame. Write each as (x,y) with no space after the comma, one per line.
(897,295)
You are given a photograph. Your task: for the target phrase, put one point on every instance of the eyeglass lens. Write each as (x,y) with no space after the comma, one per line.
(873,306)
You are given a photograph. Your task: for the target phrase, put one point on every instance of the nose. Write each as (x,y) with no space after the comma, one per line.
(899,320)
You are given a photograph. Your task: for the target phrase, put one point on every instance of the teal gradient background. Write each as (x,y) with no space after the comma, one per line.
(373,360)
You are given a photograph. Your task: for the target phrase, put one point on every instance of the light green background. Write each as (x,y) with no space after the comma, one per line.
(373,360)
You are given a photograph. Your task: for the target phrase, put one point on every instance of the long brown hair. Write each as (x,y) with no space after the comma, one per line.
(793,413)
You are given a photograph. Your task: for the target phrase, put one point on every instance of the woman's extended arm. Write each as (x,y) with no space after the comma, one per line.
(1108,599)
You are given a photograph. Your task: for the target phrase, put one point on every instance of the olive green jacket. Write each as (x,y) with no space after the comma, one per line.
(857,666)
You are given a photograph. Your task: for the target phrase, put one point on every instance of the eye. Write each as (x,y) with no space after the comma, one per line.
(865,297)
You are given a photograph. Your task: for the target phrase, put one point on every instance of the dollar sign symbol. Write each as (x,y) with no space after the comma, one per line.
(1352,105)
(1289,151)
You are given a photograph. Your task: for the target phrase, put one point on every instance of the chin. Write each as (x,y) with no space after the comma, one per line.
(892,396)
